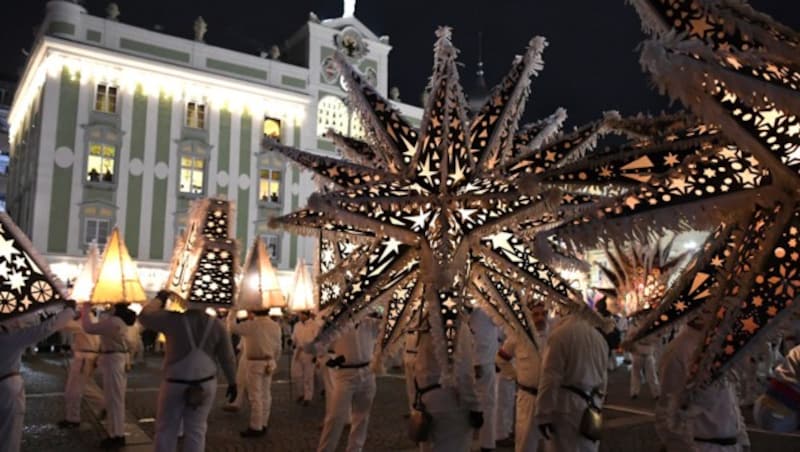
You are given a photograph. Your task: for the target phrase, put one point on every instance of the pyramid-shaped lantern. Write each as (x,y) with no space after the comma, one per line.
(259,287)
(118,278)
(301,298)
(204,262)
(82,290)
(26,283)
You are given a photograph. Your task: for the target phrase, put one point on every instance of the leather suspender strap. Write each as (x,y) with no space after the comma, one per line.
(8,375)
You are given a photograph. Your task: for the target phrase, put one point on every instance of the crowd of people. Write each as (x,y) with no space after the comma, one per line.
(539,392)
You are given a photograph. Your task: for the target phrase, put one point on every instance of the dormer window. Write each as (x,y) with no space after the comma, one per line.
(195,115)
(105,98)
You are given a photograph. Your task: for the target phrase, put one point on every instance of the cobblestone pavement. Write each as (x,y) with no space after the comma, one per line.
(629,424)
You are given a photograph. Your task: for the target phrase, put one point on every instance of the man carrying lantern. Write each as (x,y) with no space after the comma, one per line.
(112,327)
(12,388)
(710,420)
(195,343)
(526,368)
(85,349)
(305,330)
(353,386)
(572,385)
(485,344)
(262,349)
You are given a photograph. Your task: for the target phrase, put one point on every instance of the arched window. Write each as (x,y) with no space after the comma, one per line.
(332,113)
(356,126)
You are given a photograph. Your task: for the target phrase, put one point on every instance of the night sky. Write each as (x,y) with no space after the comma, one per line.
(590,65)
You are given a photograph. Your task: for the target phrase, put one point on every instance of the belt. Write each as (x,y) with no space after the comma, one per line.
(731,441)
(191,382)
(353,366)
(426,389)
(413,352)
(8,375)
(265,358)
(111,352)
(532,390)
(87,351)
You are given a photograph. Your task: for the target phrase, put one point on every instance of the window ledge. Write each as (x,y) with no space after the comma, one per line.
(190,195)
(101,185)
(270,204)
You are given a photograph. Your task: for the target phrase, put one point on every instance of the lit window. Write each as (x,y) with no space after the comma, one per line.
(332,113)
(195,115)
(97,229)
(356,126)
(192,174)
(272,129)
(105,99)
(269,185)
(272,243)
(100,165)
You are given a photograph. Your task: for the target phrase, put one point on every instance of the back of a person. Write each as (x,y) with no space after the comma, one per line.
(265,340)
(586,362)
(178,343)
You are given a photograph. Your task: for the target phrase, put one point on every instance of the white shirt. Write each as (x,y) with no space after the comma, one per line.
(484,337)
(13,343)
(111,329)
(576,355)
(261,337)
(304,333)
(82,342)
(714,411)
(527,360)
(357,343)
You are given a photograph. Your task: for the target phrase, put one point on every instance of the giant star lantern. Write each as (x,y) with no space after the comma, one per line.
(738,70)
(450,212)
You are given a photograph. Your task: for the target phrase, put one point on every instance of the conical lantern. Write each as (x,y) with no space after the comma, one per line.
(82,290)
(118,278)
(259,288)
(301,298)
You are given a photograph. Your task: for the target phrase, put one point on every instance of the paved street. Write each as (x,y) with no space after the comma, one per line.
(293,427)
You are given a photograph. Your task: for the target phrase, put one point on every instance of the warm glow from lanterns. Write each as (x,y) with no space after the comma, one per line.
(118,278)
(82,290)
(301,298)
(260,289)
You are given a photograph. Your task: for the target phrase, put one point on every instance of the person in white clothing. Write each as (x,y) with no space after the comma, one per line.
(710,420)
(241,381)
(644,362)
(778,409)
(456,410)
(526,370)
(353,386)
(85,349)
(574,371)
(195,343)
(112,328)
(409,358)
(262,338)
(303,363)
(13,343)
(485,346)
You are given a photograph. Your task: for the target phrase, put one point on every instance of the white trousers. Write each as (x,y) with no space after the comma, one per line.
(12,413)
(646,363)
(567,438)
(450,432)
(114,385)
(486,388)
(526,433)
(173,416)
(259,392)
(80,383)
(241,381)
(353,390)
(303,370)
(504,417)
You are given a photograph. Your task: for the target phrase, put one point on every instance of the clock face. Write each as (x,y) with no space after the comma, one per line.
(343,83)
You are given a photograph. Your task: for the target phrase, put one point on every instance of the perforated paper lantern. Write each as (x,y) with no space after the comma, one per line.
(118,278)
(204,263)
(82,290)
(301,298)
(26,283)
(259,286)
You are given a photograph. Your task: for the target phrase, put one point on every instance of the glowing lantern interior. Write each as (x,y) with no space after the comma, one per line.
(302,296)
(118,278)
(259,287)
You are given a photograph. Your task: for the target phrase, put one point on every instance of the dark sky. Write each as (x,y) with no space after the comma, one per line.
(590,64)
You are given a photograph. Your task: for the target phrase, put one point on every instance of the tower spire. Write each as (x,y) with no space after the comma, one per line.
(479,92)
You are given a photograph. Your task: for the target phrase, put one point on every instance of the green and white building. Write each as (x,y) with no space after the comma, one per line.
(119,125)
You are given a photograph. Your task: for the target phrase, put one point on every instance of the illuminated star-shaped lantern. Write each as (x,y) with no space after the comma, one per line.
(26,283)
(738,70)
(449,212)
(117,277)
(259,289)
(204,262)
(84,283)
(301,297)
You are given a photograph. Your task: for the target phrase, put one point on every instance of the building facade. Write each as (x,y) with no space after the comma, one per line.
(119,125)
